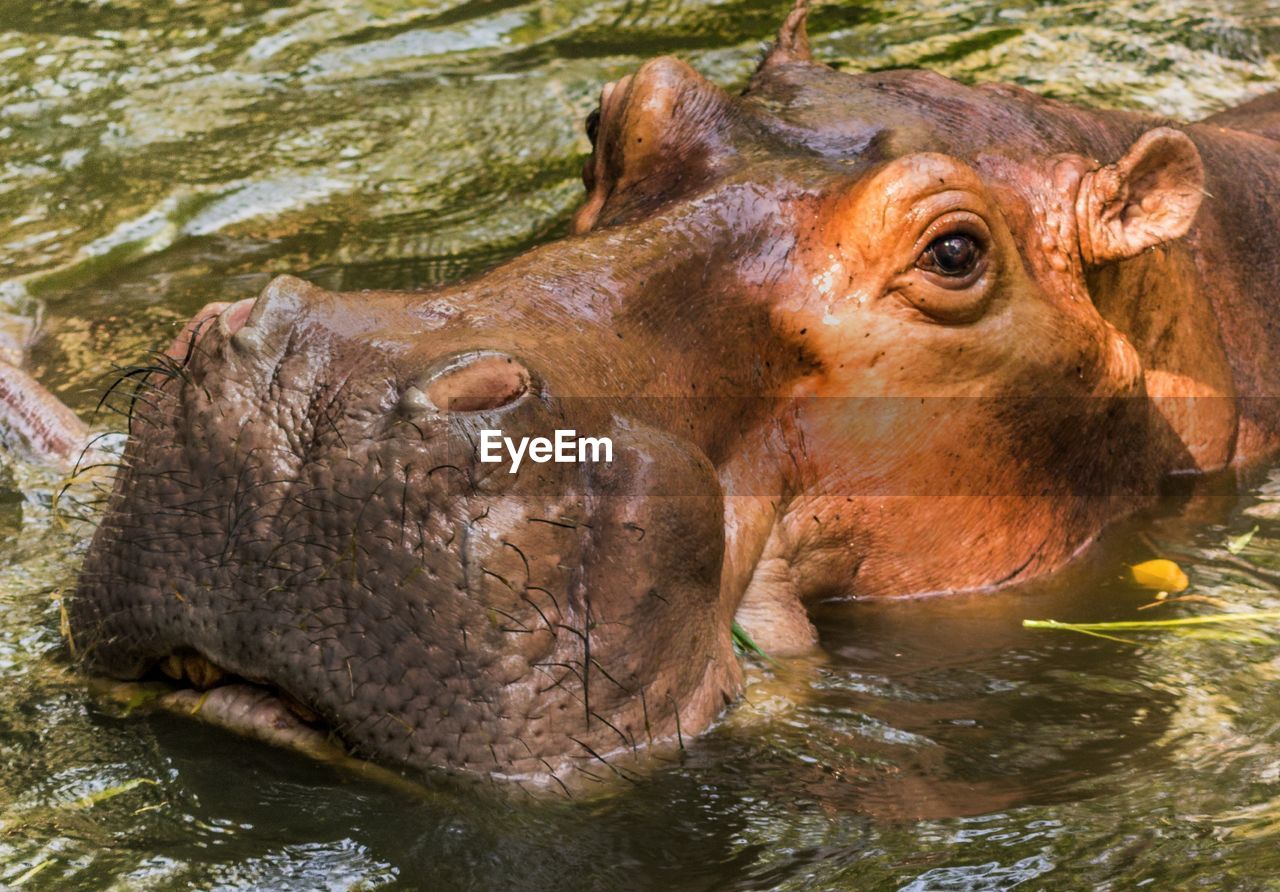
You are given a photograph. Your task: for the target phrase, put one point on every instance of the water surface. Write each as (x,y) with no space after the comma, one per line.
(159,155)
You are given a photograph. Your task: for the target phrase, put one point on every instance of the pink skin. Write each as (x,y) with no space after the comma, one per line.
(38,419)
(231,315)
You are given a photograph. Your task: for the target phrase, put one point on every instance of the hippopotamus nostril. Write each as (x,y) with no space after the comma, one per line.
(477,381)
(248,322)
(249,340)
(414,402)
(233,318)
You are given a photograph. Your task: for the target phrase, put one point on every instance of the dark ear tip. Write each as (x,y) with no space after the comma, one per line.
(792,42)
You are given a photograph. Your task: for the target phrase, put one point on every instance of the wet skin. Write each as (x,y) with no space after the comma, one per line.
(851,336)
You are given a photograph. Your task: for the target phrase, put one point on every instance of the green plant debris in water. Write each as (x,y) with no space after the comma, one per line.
(1237,544)
(159,156)
(745,644)
(31,874)
(1190,624)
(111,792)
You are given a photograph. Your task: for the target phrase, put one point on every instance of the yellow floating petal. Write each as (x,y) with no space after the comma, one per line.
(1160,574)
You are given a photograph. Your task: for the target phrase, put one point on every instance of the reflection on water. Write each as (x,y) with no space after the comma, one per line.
(158,156)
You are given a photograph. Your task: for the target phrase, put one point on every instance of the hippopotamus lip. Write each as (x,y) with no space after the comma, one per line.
(251,707)
(259,713)
(251,711)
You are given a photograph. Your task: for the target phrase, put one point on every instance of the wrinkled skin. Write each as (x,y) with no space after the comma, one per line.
(805,402)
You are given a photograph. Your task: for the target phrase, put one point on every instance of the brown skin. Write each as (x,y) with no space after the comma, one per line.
(853,335)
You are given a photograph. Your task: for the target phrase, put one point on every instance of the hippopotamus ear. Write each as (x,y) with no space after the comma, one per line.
(659,132)
(1147,198)
(792,43)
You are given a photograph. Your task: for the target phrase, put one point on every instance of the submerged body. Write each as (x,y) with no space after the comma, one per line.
(847,336)
(35,421)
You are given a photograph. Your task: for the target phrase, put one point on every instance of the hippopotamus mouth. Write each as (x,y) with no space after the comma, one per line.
(810,341)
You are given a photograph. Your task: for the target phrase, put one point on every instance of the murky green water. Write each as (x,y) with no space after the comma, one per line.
(160,154)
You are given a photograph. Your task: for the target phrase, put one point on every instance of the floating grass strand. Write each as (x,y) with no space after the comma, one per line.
(1054,624)
(1139,625)
(112,792)
(39,868)
(1103,630)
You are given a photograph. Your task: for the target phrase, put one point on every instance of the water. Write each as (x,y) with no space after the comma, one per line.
(158,155)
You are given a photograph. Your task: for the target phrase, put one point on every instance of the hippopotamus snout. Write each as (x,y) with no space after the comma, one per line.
(306,507)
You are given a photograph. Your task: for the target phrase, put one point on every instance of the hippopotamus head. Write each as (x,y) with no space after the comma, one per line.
(830,337)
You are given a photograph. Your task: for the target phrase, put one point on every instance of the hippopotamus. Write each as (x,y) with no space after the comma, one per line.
(870,335)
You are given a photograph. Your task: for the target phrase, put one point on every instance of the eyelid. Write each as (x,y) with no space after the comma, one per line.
(954,221)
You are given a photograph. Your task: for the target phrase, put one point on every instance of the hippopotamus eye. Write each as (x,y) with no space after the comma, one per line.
(954,255)
(593,126)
